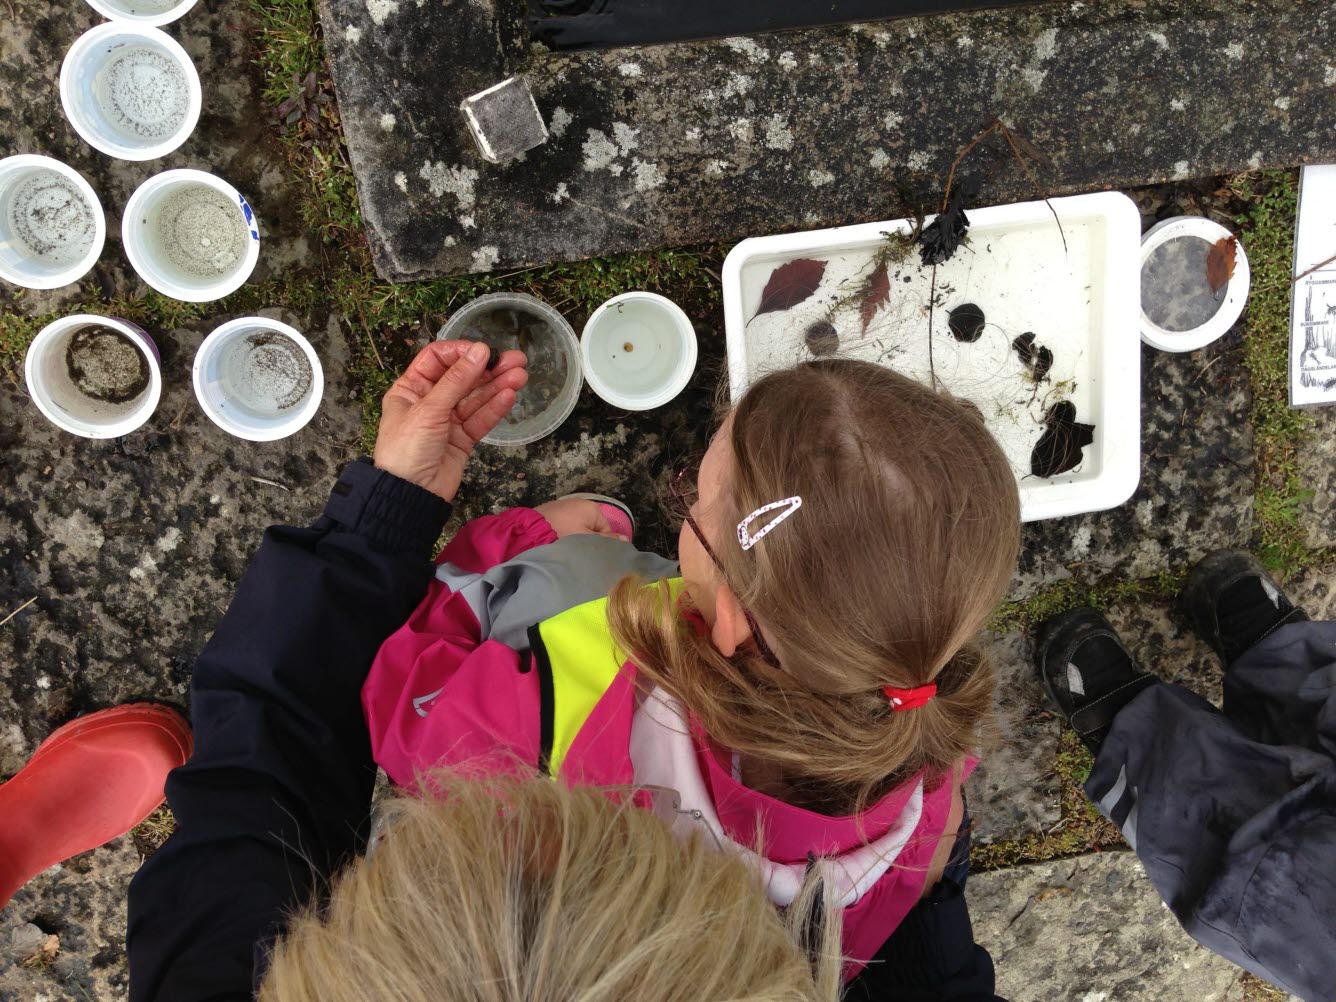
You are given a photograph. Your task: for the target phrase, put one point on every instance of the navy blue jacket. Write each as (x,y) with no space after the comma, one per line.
(276,796)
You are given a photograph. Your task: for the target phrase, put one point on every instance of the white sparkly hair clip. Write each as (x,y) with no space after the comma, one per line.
(747,539)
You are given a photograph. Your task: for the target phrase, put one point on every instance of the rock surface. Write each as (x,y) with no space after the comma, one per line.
(1318,473)
(1091,929)
(132,547)
(81,902)
(717,140)
(1014,790)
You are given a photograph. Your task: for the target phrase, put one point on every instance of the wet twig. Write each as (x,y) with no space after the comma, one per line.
(371,340)
(997,125)
(271,483)
(1317,267)
(932,308)
(18,610)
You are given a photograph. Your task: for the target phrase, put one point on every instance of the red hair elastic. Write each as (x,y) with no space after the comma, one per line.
(908,699)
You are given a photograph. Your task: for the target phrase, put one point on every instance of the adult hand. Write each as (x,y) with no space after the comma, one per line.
(572,516)
(438,410)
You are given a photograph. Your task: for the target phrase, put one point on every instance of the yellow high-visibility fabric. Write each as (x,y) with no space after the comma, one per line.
(584,660)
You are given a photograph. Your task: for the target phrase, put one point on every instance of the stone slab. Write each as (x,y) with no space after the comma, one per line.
(1014,792)
(235,138)
(1091,929)
(82,901)
(717,140)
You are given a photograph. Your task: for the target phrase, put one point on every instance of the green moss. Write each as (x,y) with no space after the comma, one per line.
(1073,593)
(1080,829)
(154,312)
(1280,430)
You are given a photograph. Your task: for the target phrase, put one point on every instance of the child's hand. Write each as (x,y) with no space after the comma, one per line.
(572,516)
(436,412)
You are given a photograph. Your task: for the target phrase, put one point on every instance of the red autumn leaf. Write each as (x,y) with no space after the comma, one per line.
(790,284)
(1220,262)
(876,293)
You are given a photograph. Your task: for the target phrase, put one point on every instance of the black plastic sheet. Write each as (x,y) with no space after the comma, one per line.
(606,24)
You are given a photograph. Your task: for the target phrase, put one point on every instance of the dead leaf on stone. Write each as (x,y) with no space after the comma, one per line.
(45,953)
(1220,262)
(876,293)
(790,284)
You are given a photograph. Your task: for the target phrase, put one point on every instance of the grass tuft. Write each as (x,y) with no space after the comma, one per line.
(1280,430)
(149,835)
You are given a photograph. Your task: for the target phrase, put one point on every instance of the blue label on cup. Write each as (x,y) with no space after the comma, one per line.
(250,218)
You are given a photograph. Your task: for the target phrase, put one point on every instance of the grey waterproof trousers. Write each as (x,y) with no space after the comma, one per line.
(1233,813)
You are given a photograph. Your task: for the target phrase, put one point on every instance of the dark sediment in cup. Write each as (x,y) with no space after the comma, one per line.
(50,217)
(106,365)
(277,371)
(143,93)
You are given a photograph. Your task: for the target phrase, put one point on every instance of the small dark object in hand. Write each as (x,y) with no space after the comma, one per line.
(493,356)
(1059,447)
(966,323)
(940,238)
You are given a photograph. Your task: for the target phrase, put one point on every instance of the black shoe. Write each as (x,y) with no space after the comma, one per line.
(1087,672)
(1233,602)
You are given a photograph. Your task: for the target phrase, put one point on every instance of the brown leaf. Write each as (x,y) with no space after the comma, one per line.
(1220,262)
(790,284)
(876,293)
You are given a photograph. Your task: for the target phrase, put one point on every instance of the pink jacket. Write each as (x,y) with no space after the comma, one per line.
(508,663)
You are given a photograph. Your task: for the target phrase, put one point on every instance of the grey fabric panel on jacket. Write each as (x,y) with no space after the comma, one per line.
(1233,814)
(547,580)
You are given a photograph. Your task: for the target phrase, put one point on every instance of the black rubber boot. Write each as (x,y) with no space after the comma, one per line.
(1087,672)
(1233,602)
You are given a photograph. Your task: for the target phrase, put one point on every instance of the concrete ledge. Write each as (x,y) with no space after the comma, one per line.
(718,140)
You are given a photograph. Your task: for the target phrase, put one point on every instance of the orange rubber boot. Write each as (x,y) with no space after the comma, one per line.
(89,782)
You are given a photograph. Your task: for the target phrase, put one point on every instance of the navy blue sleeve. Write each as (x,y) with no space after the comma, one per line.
(931,957)
(277,794)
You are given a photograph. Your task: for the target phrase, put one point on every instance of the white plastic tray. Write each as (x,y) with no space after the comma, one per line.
(1081,301)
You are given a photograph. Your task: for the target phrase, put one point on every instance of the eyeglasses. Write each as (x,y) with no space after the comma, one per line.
(683,491)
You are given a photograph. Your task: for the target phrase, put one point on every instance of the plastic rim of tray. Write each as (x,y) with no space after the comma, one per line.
(1112,477)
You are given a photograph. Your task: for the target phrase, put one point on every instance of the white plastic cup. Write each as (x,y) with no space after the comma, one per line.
(54,390)
(150,13)
(639,351)
(190,235)
(1232,297)
(130,91)
(51,223)
(554,383)
(258,379)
